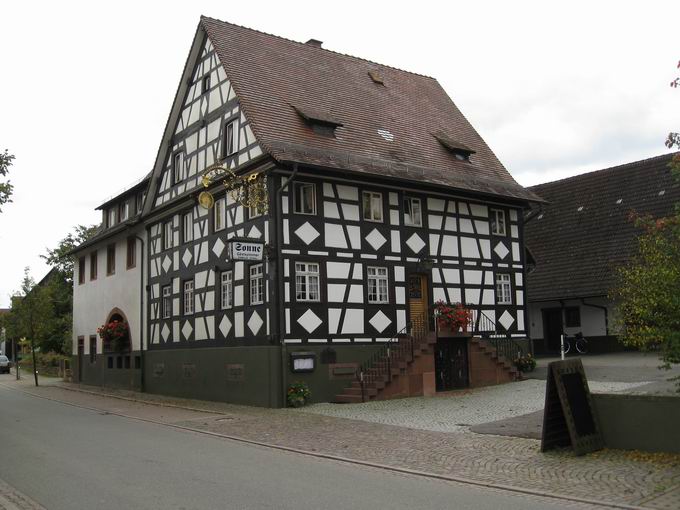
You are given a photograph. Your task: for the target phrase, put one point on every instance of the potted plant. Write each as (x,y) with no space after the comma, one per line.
(525,363)
(115,334)
(298,394)
(455,317)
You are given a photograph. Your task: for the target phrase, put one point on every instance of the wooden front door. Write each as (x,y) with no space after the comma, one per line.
(417,302)
(552,329)
(451,364)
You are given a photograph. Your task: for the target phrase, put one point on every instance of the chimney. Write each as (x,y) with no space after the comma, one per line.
(315,42)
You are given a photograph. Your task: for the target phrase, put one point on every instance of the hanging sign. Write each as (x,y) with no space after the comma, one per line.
(245,250)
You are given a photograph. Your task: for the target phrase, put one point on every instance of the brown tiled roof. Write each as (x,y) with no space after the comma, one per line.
(577,251)
(271,74)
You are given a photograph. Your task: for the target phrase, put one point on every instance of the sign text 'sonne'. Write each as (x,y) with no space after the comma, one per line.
(243,250)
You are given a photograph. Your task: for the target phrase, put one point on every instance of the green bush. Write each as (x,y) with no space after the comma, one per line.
(47,363)
(298,394)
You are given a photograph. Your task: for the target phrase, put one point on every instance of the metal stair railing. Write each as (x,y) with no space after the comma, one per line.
(482,325)
(398,348)
(504,344)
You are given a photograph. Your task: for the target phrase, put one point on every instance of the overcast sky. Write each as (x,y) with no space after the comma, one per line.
(555,89)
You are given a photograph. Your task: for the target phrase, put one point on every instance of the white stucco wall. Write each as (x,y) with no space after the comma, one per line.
(94,299)
(592,319)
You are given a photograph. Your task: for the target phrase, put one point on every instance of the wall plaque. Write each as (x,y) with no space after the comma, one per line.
(235,372)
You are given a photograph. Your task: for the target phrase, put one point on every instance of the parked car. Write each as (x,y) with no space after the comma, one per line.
(5,363)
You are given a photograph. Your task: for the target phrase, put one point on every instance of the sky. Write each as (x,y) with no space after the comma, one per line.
(555,88)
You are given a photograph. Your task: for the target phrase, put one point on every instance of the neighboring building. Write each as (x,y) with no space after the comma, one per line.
(108,284)
(580,238)
(379,200)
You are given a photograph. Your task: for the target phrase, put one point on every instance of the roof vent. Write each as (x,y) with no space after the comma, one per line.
(386,135)
(619,201)
(376,77)
(314,42)
(580,208)
(662,192)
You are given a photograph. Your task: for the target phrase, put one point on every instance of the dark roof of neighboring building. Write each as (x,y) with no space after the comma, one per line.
(276,78)
(584,232)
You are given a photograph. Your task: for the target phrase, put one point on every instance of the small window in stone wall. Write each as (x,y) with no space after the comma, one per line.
(119,362)
(127,361)
(109,362)
(572,317)
(138,362)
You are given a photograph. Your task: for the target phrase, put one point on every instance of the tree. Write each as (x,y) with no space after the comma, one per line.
(60,257)
(60,288)
(673,139)
(28,314)
(6,188)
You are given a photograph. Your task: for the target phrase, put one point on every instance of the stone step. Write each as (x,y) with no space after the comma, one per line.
(348,399)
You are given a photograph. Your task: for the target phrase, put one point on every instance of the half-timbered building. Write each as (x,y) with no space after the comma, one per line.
(366,196)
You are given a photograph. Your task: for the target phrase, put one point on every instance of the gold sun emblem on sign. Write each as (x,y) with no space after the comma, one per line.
(247,190)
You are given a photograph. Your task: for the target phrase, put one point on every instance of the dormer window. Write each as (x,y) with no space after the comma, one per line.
(230,143)
(177,168)
(322,123)
(112,217)
(459,150)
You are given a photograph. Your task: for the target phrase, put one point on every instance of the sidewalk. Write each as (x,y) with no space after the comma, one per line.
(625,478)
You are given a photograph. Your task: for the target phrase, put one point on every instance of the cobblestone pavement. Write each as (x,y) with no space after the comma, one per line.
(610,475)
(12,499)
(457,411)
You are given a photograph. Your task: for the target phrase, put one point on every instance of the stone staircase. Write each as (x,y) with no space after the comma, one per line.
(402,370)
(487,366)
(398,371)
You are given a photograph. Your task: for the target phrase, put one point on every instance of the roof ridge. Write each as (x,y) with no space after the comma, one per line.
(203,17)
(614,167)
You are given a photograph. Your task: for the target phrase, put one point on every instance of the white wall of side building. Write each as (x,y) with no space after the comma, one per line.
(94,300)
(592,319)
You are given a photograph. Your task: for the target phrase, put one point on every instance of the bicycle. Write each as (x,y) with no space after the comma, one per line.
(579,341)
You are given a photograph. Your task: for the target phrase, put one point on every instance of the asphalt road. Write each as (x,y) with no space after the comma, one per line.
(66,457)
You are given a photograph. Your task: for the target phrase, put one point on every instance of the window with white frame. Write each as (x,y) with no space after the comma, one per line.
(219,214)
(377,285)
(112,217)
(498,222)
(139,201)
(413,216)
(166,304)
(177,168)
(230,143)
(188,227)
(256,285)
(305,198)
(167,235)
(124,210)
(307,281)
(503,289)
(226,290)
(373,209)
(188,297)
